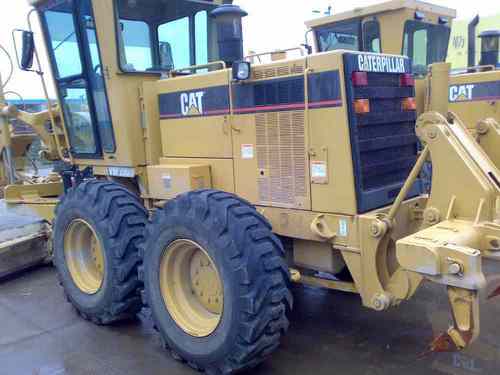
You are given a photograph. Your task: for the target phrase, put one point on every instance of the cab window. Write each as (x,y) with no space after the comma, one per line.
(490,48)
(371,37)
(65,51)
(175,44)
(201,38)
(73,49)
(63,42)
(425,44)
(161,36)
(136,53)
(343,35)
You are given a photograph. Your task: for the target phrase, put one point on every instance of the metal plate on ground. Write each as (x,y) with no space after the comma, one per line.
(23,242)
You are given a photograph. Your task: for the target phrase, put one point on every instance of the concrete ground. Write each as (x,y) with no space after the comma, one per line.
(40,334)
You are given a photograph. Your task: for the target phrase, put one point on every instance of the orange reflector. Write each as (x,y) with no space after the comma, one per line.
(409,104)
(362,106)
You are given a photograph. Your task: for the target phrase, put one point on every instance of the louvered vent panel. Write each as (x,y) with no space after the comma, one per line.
(299,154)
(297,69)
(258,74)
(281,71)
(281,154)
(270,73)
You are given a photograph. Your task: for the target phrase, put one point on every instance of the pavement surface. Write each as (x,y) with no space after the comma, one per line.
(330,334)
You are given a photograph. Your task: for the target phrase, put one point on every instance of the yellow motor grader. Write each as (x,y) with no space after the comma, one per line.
(199,184)
(421,31)
(23,232)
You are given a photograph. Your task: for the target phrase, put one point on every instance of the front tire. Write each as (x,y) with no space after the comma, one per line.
(235,317)
(97,230)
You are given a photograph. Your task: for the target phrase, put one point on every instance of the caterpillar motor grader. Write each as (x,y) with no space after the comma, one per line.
(422,31)
(198,184)
(14,158)
(23,233)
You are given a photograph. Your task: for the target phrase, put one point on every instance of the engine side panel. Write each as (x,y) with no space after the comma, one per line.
(475,96)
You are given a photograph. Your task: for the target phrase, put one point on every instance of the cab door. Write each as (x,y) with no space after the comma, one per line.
(71,41)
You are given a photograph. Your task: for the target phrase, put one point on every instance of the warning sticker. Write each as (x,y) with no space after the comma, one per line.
(247,152)
(167,182)
(319,172)
(343,228)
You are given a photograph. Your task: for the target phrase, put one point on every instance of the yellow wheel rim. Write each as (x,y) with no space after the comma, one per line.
(84,256)
(191,288)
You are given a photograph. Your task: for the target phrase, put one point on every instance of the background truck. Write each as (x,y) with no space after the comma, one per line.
(421,31)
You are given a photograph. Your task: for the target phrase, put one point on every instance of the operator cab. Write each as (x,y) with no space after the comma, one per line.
(102,51)
(159,36)
(415,29)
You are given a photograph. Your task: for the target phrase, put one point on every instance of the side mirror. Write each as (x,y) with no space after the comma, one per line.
(28,50)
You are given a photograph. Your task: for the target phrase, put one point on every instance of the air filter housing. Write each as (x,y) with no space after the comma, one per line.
(230,32)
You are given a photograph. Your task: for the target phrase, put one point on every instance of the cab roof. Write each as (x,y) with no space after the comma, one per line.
(36,3)
(388,6)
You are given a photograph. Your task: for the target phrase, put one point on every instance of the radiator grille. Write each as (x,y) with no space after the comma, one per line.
(280,71)
(281,156)
(384,144)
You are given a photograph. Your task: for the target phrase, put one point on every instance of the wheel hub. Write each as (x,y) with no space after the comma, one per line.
(84,256)
(205,283)
(191,288)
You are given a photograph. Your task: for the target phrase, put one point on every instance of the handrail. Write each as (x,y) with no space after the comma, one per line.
(474,69)
(258,55)
(51,114)
(222,65)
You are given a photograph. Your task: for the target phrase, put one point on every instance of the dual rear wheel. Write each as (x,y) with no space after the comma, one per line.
(208,267)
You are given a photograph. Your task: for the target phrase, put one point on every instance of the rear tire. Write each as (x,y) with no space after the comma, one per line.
(248,258)
(97,230)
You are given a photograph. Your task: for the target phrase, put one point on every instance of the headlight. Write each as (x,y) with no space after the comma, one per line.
(241,70)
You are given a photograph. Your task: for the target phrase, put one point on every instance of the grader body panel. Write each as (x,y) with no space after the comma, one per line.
(199,184)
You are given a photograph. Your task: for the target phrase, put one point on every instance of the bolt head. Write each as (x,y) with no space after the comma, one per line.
(432,216)
(432,133)
(378,228)
(495,244)
(455,269)
(381,302)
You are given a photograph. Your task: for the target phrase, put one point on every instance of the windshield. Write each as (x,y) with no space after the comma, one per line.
(343,35)
(63,42)
(350,35)
(164,35)
(425,44)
